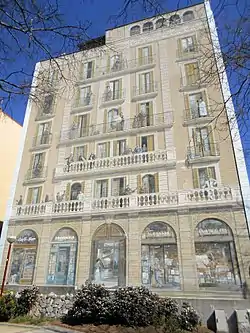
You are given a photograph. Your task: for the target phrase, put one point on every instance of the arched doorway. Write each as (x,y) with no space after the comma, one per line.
(216,259)
(159,257)
(108,258)
(62,258)
(23,258)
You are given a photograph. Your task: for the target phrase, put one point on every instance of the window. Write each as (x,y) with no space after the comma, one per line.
(159,257)
(135,30)
(101,190)
(188,16)
(48,103)
(201,141)
(144,116)
(197,104)
(34,195)
(145,55)
(83,125)
(146,82)
(147,143)
(76,188)
(62,258)
(192,73)
(80,153)
(108,264)
(103,150)
(119,147)
(148,184)
(160,23)
(118,186)
(216,260)
(203,176)
(148,26)
(112,90)
(116,63)
(88,70)
(188,44)
(23,258)
(38,164)
(43,134)
(85,96)
(174,19)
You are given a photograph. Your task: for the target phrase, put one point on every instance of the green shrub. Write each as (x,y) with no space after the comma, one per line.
(135,306)
(25,300)
(188,317)
(7,306)
(92,305)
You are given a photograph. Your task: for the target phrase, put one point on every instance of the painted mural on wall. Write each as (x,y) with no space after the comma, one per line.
(215,255)
(109,257)
(62,258)
(159,257)
(23,258)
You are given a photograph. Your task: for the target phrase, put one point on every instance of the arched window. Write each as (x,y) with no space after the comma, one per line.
(174,19)
(62,259)
(135,30)
(160,23)
(159,257)
(188,16)
(23,258)
(148,26)
(76,188)
(108,259)
(215,255)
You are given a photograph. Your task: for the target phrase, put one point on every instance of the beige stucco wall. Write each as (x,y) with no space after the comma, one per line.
(9,144)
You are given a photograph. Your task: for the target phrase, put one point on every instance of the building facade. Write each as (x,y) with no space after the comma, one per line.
(124,177)
(10,132)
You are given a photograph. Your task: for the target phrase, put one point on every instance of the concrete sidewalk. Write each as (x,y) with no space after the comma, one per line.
(12,328)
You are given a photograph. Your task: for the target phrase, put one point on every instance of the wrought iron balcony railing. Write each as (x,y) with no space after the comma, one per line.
(113,95)
(145,89)
(41,140)
(188,52)
(196,114)
(203,150)
(36,173)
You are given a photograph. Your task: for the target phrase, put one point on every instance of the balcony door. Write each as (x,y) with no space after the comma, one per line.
(192,73)
(118,186)
(115,89)
(101,190)
(146,81)
(201,141)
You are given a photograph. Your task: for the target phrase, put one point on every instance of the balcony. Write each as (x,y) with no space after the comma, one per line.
(36,175)
(204,153)
(191,82)
(191,52)
(45,114)
(153,202)
(116,128)
(113,97)
(42,141)
(145,92)
(85,104)
(192,117)
(131,161)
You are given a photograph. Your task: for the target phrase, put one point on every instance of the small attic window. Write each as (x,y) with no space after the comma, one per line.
(188,16)
(135,30)
(148,26)
(160,23)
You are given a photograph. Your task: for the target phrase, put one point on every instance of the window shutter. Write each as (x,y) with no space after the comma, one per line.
(119,111)
(107,149)
(179,46)
(87,123)
(211,173)
(43,159)
(187,107)
(138,141)
(150,140)
(39,194)
(150,52)
(194,136)
(105,120)
(211,141)
(83,186)
(92,68)
(85,150)
(29,196)
(151,114)
(120,89)
(151,81)
(77,100)
(140,56)
(156,176)
(195,178)
(108,64)
(115,143)
(139,183)
(67,193)
(205,99)
(75,153)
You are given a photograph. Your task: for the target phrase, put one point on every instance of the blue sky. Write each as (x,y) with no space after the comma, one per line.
(99,12)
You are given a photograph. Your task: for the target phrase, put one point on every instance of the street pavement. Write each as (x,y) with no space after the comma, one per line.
(20,329)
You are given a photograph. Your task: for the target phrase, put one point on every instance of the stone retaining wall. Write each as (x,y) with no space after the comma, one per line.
(52,305)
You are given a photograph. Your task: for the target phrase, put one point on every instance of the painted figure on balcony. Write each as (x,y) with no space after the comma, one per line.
(37,170)
(60,197)
(80,196)
(81,158)
(19,202)
(69,160)
(144,148)
(137,150)
(202,108)
(107,93)
(98,271)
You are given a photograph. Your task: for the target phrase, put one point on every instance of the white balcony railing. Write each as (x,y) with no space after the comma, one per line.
(196,198)
(127,160)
